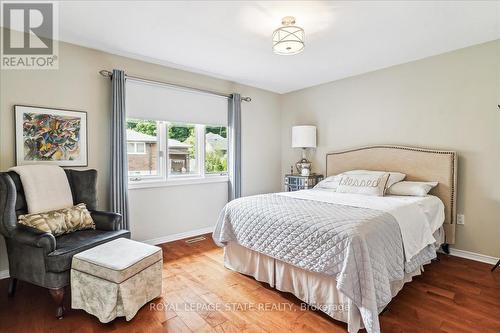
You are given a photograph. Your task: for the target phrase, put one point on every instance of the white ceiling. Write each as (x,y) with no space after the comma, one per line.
(232,39)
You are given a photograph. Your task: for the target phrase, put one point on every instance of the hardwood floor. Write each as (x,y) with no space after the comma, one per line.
(453,295)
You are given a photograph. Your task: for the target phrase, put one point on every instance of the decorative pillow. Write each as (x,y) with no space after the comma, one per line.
(367,184)
(61,221)
(394,177)
(332,182)
(418,189)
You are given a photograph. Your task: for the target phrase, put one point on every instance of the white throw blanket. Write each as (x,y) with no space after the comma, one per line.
(418,217)
(46,187)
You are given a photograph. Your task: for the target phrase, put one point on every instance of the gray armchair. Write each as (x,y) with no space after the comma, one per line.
(40,258)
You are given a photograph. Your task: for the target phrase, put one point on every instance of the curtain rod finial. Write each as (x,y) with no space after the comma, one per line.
(246,99)
(105,73)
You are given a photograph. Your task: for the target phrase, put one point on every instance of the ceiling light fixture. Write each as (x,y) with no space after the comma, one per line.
(288,39)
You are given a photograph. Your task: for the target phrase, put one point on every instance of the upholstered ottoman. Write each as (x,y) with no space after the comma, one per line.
(116,279)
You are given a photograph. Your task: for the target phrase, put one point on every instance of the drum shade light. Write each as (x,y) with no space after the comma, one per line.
(289,38)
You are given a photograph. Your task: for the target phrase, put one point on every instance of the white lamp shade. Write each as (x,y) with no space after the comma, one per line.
(304,137)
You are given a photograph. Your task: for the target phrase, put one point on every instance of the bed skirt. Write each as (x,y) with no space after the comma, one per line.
(317,290)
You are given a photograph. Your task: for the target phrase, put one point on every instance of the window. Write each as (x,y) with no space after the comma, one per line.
(136,147)
(143,149)
(182,150)
(175,136)
(215,150)
(193,151)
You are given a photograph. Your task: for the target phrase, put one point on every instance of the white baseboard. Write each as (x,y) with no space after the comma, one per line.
(182,235)
(473,256)
(4,274)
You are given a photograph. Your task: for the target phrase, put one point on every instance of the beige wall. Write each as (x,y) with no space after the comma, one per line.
(447,102)
(77,85)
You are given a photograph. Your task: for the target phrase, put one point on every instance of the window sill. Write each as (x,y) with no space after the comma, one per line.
(177,182)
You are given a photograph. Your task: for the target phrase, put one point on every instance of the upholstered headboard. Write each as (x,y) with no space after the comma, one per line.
(419,164)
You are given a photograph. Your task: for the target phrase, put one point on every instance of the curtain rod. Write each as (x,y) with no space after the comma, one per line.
(109,74)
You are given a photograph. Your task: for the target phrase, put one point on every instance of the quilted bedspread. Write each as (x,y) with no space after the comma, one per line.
(361,248)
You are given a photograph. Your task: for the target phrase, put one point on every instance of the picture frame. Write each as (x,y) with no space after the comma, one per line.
(50,136)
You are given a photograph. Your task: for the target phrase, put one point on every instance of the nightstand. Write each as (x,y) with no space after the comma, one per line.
(298,182)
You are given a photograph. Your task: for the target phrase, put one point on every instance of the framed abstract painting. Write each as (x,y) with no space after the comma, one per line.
(55,136)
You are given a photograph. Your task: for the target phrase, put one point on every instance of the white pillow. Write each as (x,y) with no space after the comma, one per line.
(394,177)
(418,189)
(329,183)
(367,184)
(332,182)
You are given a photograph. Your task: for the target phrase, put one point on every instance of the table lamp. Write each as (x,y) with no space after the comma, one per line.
(304,137)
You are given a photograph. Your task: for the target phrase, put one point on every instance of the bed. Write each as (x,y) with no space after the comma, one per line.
(346,255)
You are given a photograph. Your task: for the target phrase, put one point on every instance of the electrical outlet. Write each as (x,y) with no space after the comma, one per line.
(461,219)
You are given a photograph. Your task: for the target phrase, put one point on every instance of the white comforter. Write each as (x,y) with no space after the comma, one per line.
(418,217)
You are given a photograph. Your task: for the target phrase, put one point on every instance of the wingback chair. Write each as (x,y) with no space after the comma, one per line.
(40,258)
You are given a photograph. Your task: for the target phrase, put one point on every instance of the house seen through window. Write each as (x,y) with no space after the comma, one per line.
(142,148)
